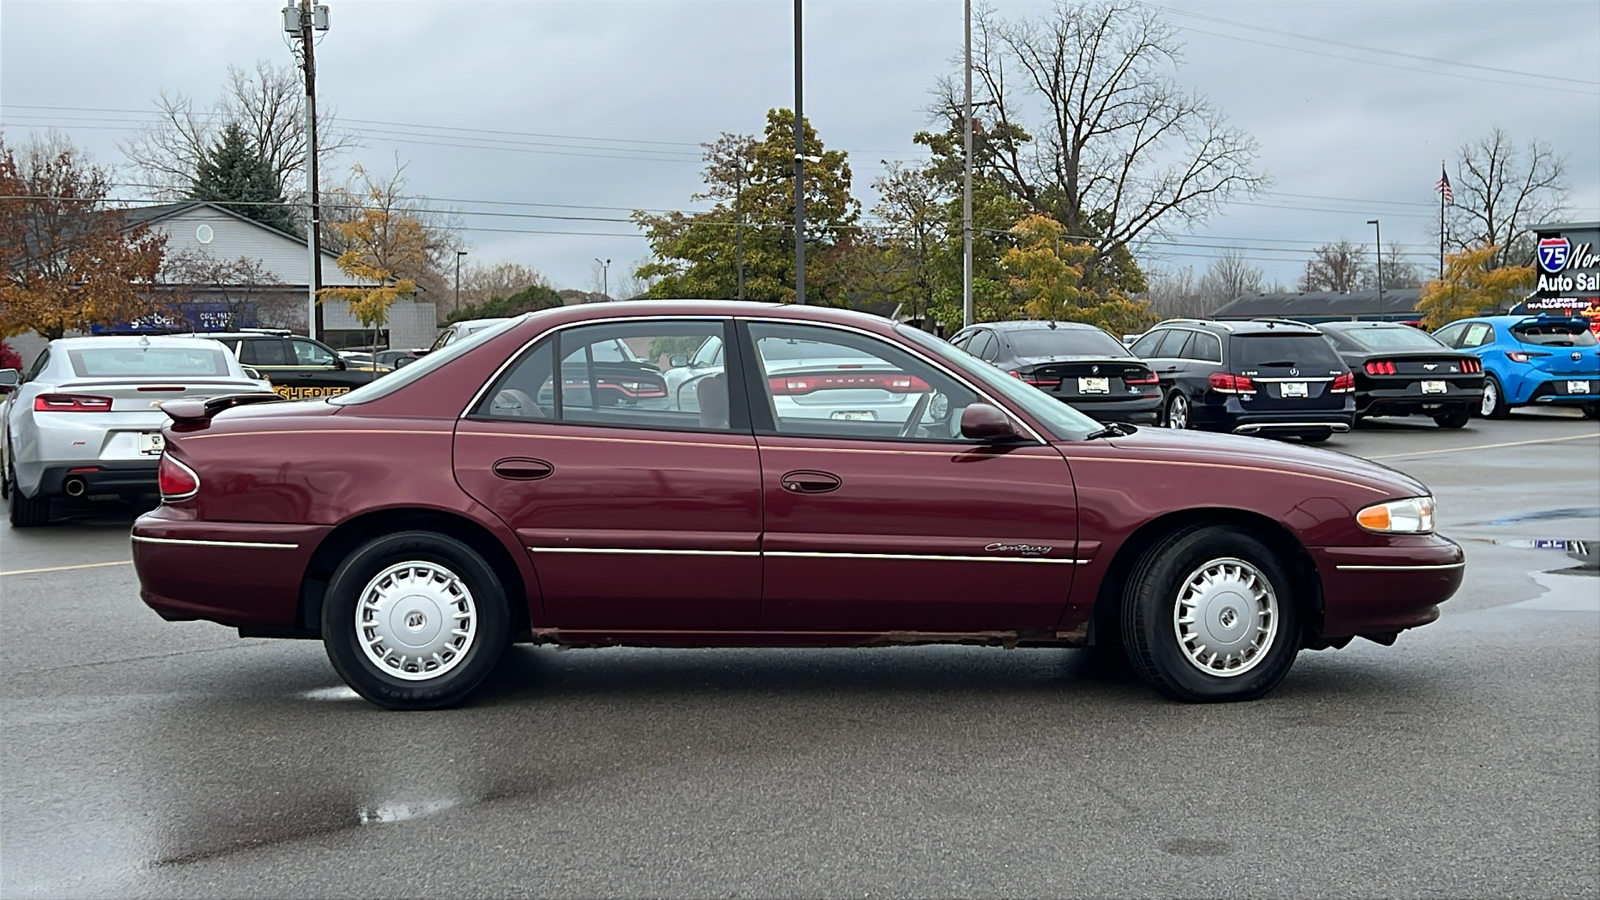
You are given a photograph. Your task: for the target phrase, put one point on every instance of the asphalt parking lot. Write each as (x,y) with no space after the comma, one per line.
(141,758)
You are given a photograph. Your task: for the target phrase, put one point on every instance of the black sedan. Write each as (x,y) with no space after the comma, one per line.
(1076,363)
(1401,371)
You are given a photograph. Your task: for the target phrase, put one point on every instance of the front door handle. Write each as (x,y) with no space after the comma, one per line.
(517,469)
(810,482)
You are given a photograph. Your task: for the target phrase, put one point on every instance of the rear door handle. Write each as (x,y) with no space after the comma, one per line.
(517,469)
(810,482)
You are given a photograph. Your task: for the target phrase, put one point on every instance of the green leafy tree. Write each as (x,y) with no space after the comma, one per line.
(1473,285)
(1047,269)
(751,182)
(234,175)
(532,298)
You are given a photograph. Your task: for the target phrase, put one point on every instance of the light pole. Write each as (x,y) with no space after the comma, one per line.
(799,169)
(605,277)
(1379,229)
(967,314)
(301,19)
(738,226)
(459,254)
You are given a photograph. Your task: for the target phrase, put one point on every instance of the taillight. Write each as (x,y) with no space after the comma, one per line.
(176,480)
(1346,383)
(1380,367)
(1035,380)
(71,403)
(1145,377)
(1523,356)
(1223,383)
(1471,366)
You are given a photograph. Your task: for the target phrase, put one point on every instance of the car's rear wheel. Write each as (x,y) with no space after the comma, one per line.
(415,620)
(1317,437)
(1455,417)
(1494,399)
(1209,614)
(26,512)
(1591,411)
(1178,414)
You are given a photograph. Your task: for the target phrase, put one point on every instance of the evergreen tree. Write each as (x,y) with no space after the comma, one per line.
(235,176)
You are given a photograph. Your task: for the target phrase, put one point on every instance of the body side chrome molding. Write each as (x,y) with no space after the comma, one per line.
(798,554)
(190,542)
(1382,568)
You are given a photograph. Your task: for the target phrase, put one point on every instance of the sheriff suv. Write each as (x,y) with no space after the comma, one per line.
(1268,376)
(298,367)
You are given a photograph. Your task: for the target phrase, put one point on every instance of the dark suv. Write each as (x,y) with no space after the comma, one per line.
(1272,377)
(298,367)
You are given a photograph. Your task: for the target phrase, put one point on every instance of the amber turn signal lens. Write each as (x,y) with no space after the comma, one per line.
(1374,518)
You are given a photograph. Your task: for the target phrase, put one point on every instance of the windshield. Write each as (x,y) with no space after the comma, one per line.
(150,362)
(1066,342)
(1402,338)
(404,375)
(1273,351)
(1570,333)
(1061,421)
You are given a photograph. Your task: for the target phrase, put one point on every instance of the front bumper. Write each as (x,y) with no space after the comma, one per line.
(240,574)
(1378,591)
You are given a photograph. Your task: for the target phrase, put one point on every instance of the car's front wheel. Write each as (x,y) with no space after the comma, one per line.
(1494,399)
(415,620)
(1209,614)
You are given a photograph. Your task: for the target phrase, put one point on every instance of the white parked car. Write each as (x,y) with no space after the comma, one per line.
(85,421)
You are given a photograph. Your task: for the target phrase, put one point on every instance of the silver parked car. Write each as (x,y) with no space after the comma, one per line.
(85,420)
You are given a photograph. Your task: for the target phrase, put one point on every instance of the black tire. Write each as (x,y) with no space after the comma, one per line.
(1455,417)
(1591,411)
(1494,399)
(1150,629)
(1317,437)
(27,512)
(458,576)
(1178,413)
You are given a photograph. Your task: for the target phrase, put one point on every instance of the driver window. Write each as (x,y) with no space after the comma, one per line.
(824,382)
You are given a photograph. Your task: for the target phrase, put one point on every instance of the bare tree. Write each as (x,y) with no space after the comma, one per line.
(243,287)
(1228,277)
(1501,191)
(480,282)
(268,103)
(1172,293)
(1398,272)
(1092,130)
(1336,267)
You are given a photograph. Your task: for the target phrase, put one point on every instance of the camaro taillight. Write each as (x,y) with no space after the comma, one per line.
(1223,383)
(1346,383)
(176,480)
(1380,367)
(71,403)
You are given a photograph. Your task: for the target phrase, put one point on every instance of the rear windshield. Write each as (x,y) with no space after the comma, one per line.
(1271,351)
(773,349)
(1403,338)
(1555,334)
(1066,342)
(149,362)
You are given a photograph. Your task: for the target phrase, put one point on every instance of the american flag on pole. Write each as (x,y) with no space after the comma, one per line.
(1443,187)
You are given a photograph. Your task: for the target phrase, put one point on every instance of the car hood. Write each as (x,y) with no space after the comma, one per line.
(1271,454)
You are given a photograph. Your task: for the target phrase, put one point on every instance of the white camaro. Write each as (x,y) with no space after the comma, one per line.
(86,421)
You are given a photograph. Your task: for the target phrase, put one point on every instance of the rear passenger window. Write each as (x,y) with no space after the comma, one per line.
(263,353)
(1172,345)
(1205,348)
(1478,334)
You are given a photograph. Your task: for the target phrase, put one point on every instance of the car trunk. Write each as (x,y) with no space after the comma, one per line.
(1088,379)
(1290,372)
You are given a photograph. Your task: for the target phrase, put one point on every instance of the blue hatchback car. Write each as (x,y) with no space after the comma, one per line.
(1531,361)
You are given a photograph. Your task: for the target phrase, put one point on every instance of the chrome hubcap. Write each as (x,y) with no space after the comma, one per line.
(416,620)
(1491,396)
(1178,413)
(1226,617)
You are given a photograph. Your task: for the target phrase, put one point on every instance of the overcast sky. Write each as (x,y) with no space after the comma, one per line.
(1347,133)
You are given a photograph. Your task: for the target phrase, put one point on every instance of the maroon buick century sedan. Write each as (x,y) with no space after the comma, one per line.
(702,473)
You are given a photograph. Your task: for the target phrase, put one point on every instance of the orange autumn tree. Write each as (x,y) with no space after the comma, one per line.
(381,242)
(1046,272)
(1472,286)
(67,261)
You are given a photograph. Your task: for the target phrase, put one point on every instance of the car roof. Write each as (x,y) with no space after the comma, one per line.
(126,340)
(1354,325)
(646,309)
(1036,325)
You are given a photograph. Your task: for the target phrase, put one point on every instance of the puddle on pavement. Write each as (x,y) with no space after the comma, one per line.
(1587,553)
(389,813)
(1580,512)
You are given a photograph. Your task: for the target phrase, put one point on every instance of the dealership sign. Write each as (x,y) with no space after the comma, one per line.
(1553,254)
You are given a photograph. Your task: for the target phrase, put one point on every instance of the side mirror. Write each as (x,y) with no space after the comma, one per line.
(339,363)
(983,422)
(9,379)
(404,361)
(677,360)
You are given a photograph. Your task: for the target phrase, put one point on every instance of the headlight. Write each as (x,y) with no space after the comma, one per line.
(1413,515)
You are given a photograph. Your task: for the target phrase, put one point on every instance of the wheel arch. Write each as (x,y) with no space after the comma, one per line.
(1302,568)
(357,531)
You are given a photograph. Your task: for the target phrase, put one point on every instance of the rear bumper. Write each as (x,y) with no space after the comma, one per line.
(236,574)
(98,478)
(1553,391)
(1409,400)
(1241,418)
(1384,590)
(1146,408)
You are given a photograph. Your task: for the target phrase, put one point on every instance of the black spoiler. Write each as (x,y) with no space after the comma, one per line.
(196,410)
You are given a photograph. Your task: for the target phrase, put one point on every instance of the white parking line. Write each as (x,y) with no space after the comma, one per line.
(1574,437)
(120,562)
